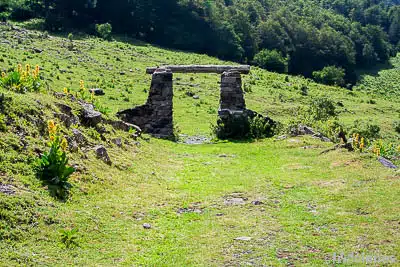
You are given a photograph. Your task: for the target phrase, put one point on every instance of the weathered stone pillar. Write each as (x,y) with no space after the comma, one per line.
(232,98)
(155,117)
(231,91)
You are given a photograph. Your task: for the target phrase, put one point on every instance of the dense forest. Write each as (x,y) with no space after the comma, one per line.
(295,36)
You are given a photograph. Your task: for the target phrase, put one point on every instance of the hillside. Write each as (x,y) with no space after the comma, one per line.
(275,201)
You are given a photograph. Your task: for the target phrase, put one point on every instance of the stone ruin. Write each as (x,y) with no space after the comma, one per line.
(156,116)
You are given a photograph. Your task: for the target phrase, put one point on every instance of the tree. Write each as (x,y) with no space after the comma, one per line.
(330,75)
(271,60)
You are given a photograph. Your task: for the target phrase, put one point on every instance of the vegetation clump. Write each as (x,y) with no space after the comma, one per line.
(271,60)
(21,80)
(330,75)
(244,127)
(104,31)
(53,165)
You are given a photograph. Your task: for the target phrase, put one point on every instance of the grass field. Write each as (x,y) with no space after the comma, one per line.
(288,204)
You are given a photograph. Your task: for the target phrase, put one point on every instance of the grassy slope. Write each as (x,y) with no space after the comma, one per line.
(312,205)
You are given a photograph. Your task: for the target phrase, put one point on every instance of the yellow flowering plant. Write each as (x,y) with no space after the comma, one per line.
(22,79)
(54,167)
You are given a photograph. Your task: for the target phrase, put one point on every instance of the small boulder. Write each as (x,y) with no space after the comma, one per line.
(387,163)
(147,226)
(89,116)
(117,141)
(101,153)
(78,137)
(243,238)
(97,91)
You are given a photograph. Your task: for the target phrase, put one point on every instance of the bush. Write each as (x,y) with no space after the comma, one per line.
(321,109)
(244,127)
(104,30)
(271,60)
(330,75)
(21,80)
(366,129)
(54,169)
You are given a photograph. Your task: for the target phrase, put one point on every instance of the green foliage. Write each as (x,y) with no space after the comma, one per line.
(330,75)
(17,216)
(104,30)
(69,237)
(21,80)
(396,126)
(261,128)
(366,129)
(53,165)
(243,127)
(3,126)
(271,60)
(321,109)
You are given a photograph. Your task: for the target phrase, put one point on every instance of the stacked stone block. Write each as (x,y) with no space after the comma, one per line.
(156,116)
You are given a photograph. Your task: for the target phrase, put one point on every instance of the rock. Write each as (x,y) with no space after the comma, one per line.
(64,108)
(122,73)
(243,238)
(7,189)
(257,202)
(124,126)
(117,141)
(387,163)
(102,154)
(37,50)
(78,137)
(196,97)
(96,91)
(89,116)
(281,137)
(234,201)
(147,226)
(73,146)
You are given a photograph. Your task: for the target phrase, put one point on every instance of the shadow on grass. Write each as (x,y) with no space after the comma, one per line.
(373,70)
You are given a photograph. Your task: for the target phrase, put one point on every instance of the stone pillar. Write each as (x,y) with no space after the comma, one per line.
(232,98)
(156,116)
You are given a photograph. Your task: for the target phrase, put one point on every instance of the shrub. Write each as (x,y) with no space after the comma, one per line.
(69,237)
(54,169)
(244,127)
(366,129)
(271,60)
(104,30)
(321,109)
(21,80)
(3,126)
(330,75)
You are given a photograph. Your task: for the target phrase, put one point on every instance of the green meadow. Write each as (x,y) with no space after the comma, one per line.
(269,202)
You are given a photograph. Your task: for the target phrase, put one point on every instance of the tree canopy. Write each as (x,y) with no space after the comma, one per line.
(311,34)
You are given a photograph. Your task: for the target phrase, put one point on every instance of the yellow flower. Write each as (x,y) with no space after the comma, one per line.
(64,144)
(28,68)
(362,143)
(3,74)
(66,91)
(52,128)
(19,68)
(51,138)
